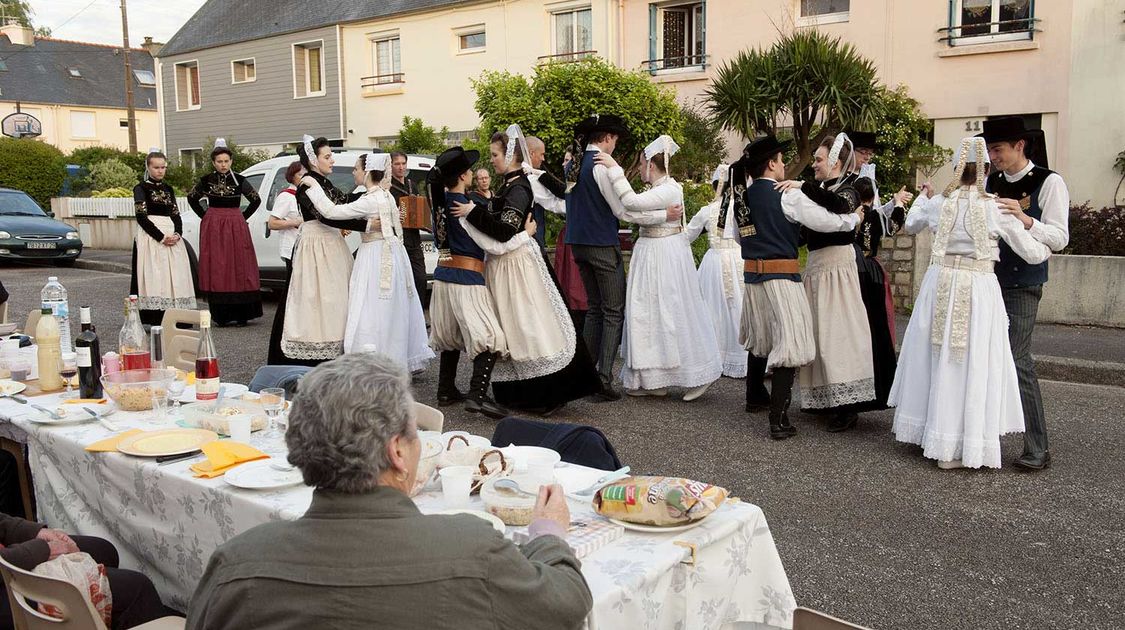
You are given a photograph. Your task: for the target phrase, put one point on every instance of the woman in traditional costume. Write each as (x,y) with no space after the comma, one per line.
(955,390)
(668,339)
(720,274)
(383,311)
(228,266)
(543,370)
(163,274)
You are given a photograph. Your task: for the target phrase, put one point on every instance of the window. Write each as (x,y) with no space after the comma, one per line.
(386,59)
(243,71)
(3,66)
(83,124)
(676,37)
(471,40)
(187,86)
(74,72)
(123,123)
(817,8)
(573,34)
(145,78)
(192,158)
(255,182)
(980,21)
(308,69)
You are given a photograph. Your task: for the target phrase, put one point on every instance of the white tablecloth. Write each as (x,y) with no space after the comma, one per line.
(725,573)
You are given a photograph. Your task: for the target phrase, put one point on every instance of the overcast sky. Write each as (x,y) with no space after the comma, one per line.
(100,20)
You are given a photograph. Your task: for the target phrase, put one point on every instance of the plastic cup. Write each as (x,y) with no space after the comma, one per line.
(240,427)
(159,405)
(541,470)
(456,481)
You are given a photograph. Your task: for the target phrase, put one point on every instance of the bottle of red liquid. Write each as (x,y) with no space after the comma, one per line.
(133,342)
(206,362)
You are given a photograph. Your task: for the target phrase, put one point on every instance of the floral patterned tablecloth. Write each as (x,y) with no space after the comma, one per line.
(725,573)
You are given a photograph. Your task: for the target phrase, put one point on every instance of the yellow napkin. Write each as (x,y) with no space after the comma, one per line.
(109,445)
(84,401)
(189,378)
(224,455)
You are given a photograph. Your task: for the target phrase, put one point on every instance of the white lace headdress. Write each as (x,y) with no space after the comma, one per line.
(663,145)
(376,161)
(516,138)
(834,153)
(306,144)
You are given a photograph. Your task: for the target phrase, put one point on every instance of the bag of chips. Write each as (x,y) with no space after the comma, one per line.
(661,501)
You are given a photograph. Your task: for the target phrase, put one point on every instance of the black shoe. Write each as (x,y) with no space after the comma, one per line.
(478,400)
(550,411)
(486,406)
(447,392)
(240,324)
(757,406)
(608,394)
(1033,461)
(842,422)
(787,426)
(453,397)
(777,430)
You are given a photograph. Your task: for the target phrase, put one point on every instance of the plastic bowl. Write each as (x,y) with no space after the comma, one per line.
(427,462)
(199,415)
(131,390)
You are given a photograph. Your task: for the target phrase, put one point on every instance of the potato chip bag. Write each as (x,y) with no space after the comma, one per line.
(661,501)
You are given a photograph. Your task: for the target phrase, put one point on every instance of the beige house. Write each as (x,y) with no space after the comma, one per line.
(76,90)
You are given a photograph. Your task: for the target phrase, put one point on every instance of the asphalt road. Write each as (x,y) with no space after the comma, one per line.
(868,529)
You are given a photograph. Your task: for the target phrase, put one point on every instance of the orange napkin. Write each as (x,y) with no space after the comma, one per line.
(84,401)
(109,444)
(223,455)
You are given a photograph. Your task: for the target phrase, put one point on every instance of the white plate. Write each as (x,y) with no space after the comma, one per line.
(230,390)
(492,519)
(166,442)
(656,529)
(259,475)
(9,328)
(11,387)
(74,414)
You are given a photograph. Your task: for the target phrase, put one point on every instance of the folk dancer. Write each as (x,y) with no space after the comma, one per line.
(462,313)
(668,339)
(285,217)
(382,309)
(228,267)
(719,281)
(544,369)
(163,274)
(1038,197)
(956,390)
(777,324)
(400,187)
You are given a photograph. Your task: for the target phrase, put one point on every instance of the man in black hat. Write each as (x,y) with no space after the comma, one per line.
(776,319)
(865,146)
(1039,199)
(462,313)
(593,210)
(401,187)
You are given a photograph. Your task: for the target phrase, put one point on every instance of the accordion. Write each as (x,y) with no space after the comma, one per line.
(414,211)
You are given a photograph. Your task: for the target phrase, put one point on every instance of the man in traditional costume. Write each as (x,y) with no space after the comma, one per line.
(402,186)
(1037,197)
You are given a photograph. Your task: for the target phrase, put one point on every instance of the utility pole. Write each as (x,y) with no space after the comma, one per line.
(132,112)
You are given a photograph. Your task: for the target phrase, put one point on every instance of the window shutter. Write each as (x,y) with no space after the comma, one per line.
(652,33)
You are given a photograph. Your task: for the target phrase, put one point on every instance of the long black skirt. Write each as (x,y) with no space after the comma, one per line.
(873,287)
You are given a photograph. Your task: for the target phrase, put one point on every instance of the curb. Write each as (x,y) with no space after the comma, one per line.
(103,265)
(1080,371)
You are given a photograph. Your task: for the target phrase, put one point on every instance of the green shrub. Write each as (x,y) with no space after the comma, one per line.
(1096,232)
(34,167)
(697,195)
(113,192)
(89,156)
(112,173)
(703,147)
(417,138)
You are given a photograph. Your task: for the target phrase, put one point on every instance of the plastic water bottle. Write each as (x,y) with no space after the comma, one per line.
(53,297)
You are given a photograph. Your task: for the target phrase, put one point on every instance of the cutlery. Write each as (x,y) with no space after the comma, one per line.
(510,485)
(281,465)
(50,414)
(101,418)
(218,400)
(606,479)
(171,459)
(16,397)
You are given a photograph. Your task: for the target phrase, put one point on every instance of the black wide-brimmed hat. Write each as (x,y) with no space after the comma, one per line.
(762,149)
(1007,129)
(607,123)
(454,161)
(863,139)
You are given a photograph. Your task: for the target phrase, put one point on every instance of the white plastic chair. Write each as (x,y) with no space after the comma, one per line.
(77,611)
(180,344)
(808,619)
(428,418)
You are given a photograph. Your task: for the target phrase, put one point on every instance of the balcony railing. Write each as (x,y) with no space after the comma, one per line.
(382,79)
(571,57)
(1005,30)
(671,63)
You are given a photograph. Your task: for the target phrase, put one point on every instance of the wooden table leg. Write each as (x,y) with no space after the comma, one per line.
(24,474)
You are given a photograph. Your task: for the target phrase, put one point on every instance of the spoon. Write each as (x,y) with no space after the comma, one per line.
(218,400)
(620,473)
(510,486)
(51,414)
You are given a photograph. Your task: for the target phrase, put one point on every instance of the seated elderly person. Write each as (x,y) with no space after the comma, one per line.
(363,556)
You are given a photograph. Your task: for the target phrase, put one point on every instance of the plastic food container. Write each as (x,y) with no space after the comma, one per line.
(199,414)
(427,461)
(513,509)
(131,390)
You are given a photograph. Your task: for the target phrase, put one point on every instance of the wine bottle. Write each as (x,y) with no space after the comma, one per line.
(206,362)
(88,349)
(133,342)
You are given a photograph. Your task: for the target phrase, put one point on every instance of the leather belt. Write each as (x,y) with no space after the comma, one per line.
(468,263)
(660,232)
(779,265)
(965,263)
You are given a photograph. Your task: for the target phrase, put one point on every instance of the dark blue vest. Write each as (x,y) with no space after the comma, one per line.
(774,238)
(540,215)
(460,244)
(1013,271)
(589,219)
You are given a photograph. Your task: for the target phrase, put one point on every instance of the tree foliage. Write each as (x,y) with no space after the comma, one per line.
(112,173)
(21,10)
(703,147)
(34,167)
(902,132)
(417,138)
(87,157)
(814,83)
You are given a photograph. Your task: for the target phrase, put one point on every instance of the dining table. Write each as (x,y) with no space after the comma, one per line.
(723,573)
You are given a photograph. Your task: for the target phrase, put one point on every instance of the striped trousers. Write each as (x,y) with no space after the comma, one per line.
(603,274)
(1022,304)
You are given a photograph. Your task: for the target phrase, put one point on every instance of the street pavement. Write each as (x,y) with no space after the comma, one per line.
(868,529)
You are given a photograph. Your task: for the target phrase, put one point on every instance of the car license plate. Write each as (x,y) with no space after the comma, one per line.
(34,245)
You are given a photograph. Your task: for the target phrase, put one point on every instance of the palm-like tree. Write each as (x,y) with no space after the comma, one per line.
(814,83)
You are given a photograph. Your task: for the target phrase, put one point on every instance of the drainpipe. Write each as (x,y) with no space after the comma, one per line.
(621,33)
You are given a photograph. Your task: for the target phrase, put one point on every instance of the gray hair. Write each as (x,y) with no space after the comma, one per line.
(534,143)
(343,417)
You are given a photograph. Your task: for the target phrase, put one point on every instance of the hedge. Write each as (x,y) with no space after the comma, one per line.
(34,167)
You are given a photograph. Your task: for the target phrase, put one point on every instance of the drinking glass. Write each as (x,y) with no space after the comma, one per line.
(176,391)
(68,369)
(159,404)
(272,400)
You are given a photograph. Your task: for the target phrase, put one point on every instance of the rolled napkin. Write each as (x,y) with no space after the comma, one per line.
(84,401)
(224,455)
(109,444)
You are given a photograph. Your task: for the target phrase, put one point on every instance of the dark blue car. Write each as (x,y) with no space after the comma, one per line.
(27,233)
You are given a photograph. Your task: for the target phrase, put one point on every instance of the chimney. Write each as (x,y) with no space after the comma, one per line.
(17,33)
(152,47)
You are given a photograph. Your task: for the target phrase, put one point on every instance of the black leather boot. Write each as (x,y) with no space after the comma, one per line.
(843,421)
(478,399)
(781,396)
(447,392)
(757,396)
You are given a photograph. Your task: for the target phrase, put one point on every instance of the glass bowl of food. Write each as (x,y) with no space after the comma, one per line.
(132,390)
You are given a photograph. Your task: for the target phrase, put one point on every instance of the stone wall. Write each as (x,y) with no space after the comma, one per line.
(897,254)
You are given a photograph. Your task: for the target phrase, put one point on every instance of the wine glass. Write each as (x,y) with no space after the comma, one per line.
(68,369)
(272,400)
(176,390)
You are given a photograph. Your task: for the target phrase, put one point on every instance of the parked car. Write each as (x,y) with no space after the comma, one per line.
(28,233)
(268,178)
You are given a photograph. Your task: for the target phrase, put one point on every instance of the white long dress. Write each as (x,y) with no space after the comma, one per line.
(663,343)
(955,389)
(720,282)
(382,308)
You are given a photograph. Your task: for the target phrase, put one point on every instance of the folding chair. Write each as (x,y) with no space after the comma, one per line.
(808,619)
(30,323)
(428,418)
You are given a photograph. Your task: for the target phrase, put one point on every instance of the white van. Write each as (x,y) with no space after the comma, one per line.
(268,178)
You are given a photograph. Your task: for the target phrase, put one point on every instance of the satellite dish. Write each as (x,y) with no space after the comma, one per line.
(21,125)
